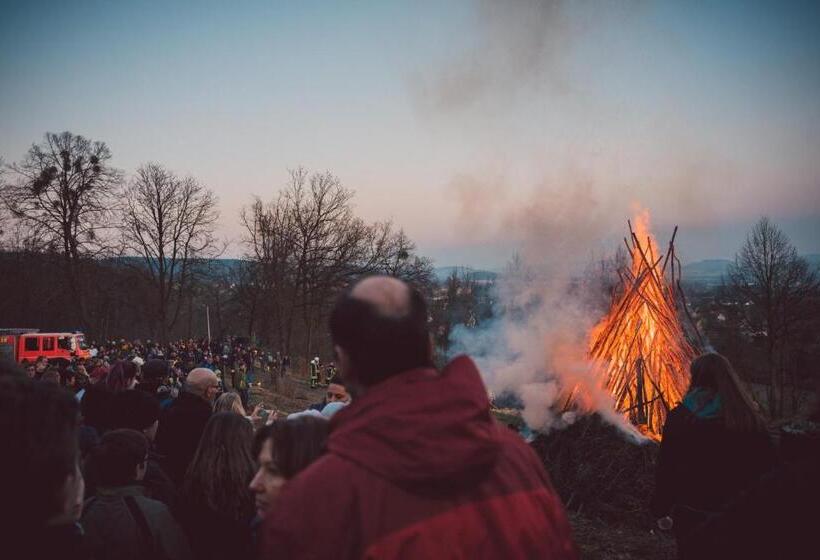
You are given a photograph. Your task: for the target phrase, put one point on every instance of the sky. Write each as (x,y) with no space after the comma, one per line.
(482,128)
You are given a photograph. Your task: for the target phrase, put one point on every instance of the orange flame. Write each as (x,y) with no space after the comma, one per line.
(640,345)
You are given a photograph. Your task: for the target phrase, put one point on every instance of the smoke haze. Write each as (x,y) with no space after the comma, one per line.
(536,348)
(557,99)
(555,205)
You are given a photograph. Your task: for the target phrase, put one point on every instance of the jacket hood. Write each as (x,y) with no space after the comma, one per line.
(421,427)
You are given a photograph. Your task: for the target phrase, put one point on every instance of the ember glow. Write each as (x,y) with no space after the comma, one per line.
(640,345)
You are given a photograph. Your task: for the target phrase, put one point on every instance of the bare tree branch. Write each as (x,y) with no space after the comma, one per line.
(772,283)
(66,192)
(169,223)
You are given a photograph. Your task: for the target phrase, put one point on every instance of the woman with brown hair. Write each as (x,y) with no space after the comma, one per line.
(715,444)
(285,448)
(122,376)
(215,506)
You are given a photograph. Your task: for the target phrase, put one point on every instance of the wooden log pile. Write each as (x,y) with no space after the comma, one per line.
(640,345)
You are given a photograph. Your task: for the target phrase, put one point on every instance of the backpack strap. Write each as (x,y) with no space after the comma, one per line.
(142,523)
(88,503)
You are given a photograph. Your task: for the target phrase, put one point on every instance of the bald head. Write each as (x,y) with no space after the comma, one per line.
(203,382)
(389,296)
(380,329)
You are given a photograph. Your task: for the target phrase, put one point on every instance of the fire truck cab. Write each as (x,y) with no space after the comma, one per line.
(26,345)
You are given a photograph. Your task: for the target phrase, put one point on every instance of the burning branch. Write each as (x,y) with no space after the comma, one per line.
(640,344)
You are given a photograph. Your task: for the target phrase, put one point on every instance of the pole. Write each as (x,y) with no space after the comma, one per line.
(208,320)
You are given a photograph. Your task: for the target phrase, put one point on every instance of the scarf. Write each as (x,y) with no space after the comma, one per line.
(702,403)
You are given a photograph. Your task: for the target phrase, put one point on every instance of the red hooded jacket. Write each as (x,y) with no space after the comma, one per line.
(418,468)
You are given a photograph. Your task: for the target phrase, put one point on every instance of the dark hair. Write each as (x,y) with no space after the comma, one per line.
(713,372)
(135,410)
(96,407)
(222,467)
(67,375)
(114,461)
(296,443)
(120,376)
(156,370)
(51,375)
(337,380)
(380,346)
(39,426)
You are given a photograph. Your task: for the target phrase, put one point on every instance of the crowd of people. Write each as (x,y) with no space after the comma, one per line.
(231,358)
(143,453)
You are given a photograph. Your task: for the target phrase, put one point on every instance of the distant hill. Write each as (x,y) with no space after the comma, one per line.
(710,272)
(442,273)
(214,266)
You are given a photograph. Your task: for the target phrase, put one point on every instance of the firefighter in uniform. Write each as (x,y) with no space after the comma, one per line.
(331,373)
(314,372)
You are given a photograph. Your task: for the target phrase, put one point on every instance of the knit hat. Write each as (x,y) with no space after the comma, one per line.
(155,370)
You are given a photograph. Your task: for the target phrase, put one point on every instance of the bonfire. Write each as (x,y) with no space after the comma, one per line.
(640,346)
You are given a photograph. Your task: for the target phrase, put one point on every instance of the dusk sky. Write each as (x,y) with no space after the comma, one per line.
(479,127)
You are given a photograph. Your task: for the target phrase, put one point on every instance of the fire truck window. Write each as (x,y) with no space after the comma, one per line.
(64,343)
(32,344)
(48,344)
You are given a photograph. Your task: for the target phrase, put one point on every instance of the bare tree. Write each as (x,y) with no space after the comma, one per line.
(65,190)
(601,280)
(169,223)
(245,280)
(393,253)
(769,276)
(329,242)
(5,217)
(267,280)
(307,245)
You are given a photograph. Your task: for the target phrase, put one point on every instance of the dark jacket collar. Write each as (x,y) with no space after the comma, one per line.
(188,399)
(121,491)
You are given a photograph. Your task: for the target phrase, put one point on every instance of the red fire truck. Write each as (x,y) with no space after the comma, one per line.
(26,345)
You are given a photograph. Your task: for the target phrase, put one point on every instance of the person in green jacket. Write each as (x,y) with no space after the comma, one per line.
(120,522)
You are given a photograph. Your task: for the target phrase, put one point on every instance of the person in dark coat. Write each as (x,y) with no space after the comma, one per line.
(416,466)
(774,518)
(41,485)
(715,445)
(215,505)
(96,408)
(120,522)
(138,410)
(182,424)
(154,375)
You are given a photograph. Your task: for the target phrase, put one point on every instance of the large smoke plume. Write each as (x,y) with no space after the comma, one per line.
(572,111)
(546,301)
(550,196)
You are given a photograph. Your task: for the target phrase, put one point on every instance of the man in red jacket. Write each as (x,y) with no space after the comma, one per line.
(416,466)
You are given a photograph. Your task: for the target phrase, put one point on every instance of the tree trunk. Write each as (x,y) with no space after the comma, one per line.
(76,291)
(774,380)
(308,337)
